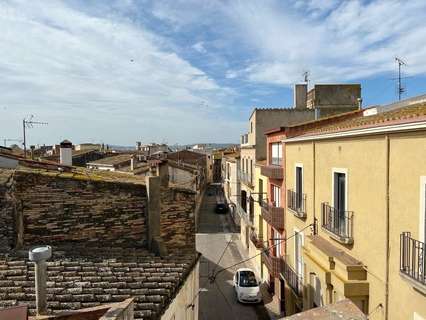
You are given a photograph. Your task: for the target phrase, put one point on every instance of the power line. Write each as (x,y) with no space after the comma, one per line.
(212,278)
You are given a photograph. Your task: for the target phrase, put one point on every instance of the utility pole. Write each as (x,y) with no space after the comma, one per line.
(29,124)
(401,89)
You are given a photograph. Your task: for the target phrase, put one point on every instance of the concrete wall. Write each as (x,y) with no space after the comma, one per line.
(183,178)
(185,305)
(274,118)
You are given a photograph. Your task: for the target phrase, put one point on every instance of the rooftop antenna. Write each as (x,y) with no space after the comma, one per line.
(306,77)
(401,88)
(27,124)
(5,140)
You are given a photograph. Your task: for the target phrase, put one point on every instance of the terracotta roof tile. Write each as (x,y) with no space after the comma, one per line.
(86,277)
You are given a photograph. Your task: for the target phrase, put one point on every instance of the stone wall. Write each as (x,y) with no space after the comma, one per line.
(55,210)
(177,218)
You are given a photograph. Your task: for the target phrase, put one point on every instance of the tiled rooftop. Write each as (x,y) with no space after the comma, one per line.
(120,158)
(409,114)
(86,277)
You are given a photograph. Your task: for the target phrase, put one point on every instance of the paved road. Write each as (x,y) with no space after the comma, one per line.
(214,232)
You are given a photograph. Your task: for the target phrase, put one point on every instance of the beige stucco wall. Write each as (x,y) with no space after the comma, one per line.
(407,167)
(188,294)
(365,197)
(364,160)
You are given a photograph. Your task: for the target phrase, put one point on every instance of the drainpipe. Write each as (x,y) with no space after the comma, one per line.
(387,227)
(313,193)
(39,255)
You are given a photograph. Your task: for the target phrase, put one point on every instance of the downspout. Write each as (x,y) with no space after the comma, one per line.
(387,228)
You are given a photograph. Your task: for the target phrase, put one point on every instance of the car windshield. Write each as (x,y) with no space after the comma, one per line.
(247,279)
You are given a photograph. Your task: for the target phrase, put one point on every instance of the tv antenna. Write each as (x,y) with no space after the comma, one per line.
(306,77)
(28,124)
(401,88)
(5,140)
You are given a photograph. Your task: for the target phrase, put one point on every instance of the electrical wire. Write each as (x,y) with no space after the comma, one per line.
(212,278)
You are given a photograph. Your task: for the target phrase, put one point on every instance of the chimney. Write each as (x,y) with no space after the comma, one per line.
(132,163)
(163,172)
(39,255)
(155,243)
(300,95)
(32,152)
(359,103)
(65,153)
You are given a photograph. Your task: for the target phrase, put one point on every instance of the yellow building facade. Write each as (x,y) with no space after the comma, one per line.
(362,186)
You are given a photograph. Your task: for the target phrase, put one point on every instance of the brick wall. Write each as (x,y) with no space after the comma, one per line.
(177,218)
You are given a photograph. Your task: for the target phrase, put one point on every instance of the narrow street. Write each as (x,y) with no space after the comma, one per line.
(218,300)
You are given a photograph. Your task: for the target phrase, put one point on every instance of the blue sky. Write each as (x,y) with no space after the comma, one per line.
(191,71)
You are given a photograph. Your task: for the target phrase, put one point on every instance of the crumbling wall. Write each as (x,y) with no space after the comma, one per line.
(7,221)
(177,222)
(58,209)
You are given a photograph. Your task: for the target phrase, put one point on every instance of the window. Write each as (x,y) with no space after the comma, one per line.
(246,165)
(298,258)
(299,186)
(251,127)
(251,170)
(229,170)
(277,153)
(277,243)
(276,196)
(339,218)
(260,191)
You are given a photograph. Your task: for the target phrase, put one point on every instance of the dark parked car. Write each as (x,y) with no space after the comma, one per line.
(221,207)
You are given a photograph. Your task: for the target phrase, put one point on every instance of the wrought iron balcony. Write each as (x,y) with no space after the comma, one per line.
(413,259)
(256,239)
(296,202)
(274,216)
(274,264)
(294,280)
(272,171)
(337,223)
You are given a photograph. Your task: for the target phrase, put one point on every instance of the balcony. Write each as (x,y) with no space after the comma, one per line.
(296,202)
(256,240)
(274,264)
(247,179)
(274,216)
(413,261)
(294,281)
(272,171)
(337,223)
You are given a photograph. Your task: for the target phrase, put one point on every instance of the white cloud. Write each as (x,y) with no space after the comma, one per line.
(354,40)
(199,46)
(92,76)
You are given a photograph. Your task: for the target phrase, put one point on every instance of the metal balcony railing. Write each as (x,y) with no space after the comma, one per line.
(413,258)
(294,280)
(274,264)
(296,202)
(256,239)
(273,215)
(338,223)
(272,171)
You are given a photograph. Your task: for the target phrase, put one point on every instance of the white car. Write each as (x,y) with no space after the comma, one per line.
(246,286)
